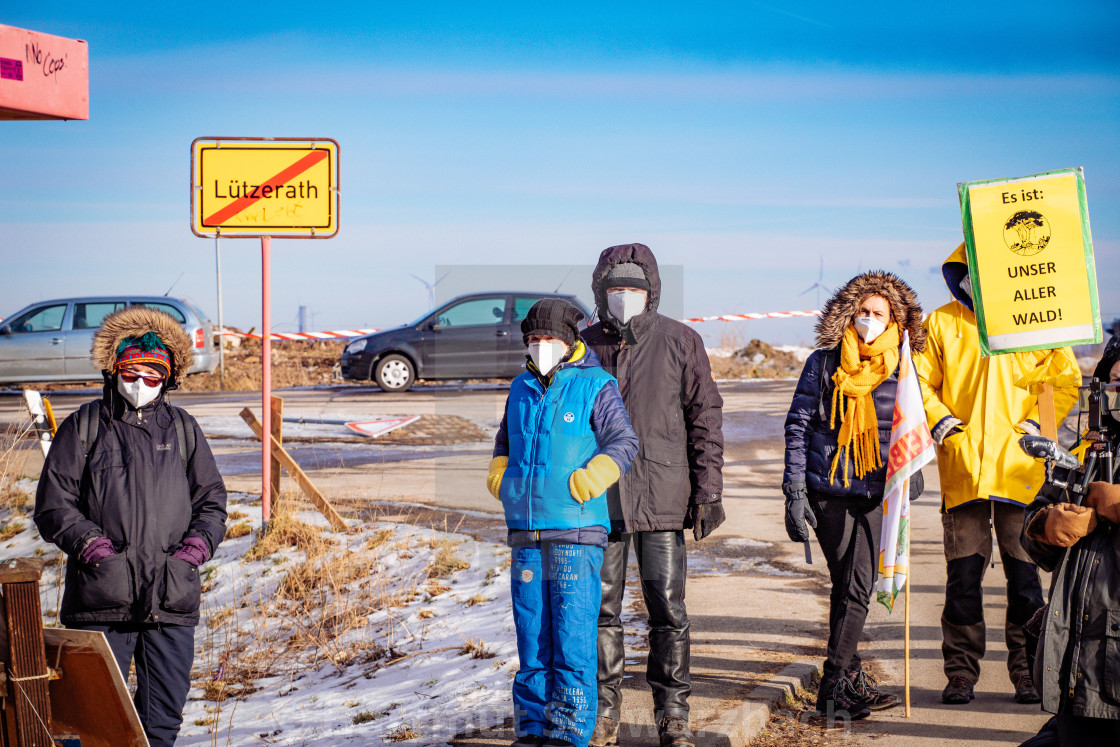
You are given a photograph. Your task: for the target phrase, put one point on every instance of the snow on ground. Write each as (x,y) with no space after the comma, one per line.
(395,633)
(384,633)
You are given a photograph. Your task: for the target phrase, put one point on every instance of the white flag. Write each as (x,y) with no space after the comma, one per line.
(911,448)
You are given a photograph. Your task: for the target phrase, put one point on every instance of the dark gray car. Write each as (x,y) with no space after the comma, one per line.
(476,336)
(50,340)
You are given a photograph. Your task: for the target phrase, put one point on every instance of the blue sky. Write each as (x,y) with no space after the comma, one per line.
(744,142)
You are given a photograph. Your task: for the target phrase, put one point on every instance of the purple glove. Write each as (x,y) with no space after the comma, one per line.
(96,551)
(194,550)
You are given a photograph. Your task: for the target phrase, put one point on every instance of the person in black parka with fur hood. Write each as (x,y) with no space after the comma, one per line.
(837,438)
(131,493)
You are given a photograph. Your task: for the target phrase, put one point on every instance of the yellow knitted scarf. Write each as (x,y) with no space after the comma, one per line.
(862,368)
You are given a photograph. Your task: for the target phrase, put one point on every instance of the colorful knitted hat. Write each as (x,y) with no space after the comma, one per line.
(147,350)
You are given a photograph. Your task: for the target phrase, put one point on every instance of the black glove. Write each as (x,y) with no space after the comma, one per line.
(799,517)
(917,485)
(704,518)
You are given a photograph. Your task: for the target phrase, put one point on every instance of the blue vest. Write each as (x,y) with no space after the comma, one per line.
(550,437)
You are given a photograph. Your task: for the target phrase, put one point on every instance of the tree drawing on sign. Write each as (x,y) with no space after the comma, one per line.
(1026,232)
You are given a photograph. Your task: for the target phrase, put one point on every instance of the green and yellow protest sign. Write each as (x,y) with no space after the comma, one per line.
(1030,258)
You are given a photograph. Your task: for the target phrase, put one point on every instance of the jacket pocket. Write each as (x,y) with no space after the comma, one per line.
(182,590)
(104,584)
(665,453)
(1110,683)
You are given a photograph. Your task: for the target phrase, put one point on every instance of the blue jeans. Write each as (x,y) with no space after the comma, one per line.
(556,593)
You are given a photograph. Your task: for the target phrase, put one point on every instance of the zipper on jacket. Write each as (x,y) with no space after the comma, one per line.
(532,461)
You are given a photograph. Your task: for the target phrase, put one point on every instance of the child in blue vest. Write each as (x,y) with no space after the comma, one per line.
(564,439)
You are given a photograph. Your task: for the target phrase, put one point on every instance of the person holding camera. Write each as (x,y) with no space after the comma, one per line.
(1077,659)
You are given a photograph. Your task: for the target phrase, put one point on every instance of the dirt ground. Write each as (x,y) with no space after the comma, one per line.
(298,363)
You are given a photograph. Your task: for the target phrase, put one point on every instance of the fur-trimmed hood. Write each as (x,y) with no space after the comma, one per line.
(841,309)
(135,321)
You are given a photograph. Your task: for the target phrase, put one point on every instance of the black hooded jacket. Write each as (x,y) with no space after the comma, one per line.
(134,490)
(666,382)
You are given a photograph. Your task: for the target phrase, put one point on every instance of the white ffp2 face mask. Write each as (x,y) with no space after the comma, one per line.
(137,393)
(547,355)
(624,305)
(868,328)
(966,286)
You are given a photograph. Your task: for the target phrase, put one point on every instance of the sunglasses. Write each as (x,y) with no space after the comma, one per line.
(130,377)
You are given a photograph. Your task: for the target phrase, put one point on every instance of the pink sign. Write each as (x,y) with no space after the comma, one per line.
(42,76)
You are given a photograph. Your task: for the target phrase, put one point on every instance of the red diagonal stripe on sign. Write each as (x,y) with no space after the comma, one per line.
(279,180)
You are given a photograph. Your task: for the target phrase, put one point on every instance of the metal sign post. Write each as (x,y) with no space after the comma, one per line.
(266,379)
(221,326)
(261,188)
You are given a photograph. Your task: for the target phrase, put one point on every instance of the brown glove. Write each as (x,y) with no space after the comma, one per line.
(1104,498)
(1062,524)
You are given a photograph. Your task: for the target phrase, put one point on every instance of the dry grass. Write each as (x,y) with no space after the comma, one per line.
(446,559)
(13,461)
(403,733)
(476,649)
(302,363)
(11,528)
(285,530)
(239,530)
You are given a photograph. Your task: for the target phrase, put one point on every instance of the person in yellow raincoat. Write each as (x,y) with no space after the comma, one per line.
(977,409)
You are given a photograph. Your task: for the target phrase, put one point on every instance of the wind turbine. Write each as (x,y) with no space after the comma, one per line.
(817,286)
(431,288)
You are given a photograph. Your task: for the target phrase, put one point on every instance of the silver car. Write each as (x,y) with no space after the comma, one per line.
(50,340)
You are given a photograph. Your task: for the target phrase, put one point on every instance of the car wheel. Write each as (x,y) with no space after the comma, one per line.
(394,373)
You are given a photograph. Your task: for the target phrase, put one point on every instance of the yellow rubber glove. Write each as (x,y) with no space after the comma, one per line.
(494,479)
(599,474)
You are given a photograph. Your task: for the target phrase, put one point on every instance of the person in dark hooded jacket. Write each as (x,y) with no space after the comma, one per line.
(131,493)
(675,483)
(1077,658)
(838,434)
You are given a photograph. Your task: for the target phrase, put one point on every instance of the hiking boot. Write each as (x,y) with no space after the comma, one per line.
(864,686)
(606,732)
(674,732)
(529,740)
(1025,691)
(843,702)
(958,691)
(557,742)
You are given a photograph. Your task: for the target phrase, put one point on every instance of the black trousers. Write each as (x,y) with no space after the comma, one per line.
(848,532)
(967,533)
(163,654)
(663,569)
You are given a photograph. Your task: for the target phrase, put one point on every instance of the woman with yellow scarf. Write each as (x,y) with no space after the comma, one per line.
(837,436)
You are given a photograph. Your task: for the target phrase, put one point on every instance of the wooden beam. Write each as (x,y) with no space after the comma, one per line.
(277,428)
(1047,416)
(301,478)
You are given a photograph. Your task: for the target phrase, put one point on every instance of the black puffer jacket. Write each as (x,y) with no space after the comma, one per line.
(811,442)
(666,382)
(133,489)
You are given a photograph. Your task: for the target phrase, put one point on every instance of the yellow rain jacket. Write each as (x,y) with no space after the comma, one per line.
(990,396)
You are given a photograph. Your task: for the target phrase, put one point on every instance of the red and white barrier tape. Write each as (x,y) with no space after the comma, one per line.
(342,334)
(745,317)
(337,334)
